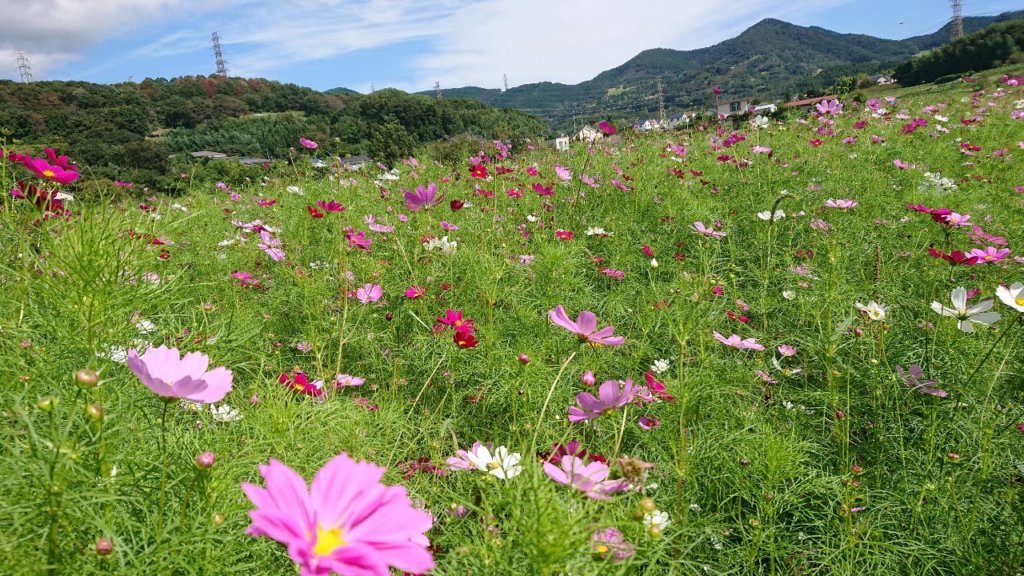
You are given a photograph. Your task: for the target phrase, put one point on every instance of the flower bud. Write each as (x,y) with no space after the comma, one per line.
(840,415)
(218,519)
(94,412)
(87,378)
(588,378)
(205,460)
(655,532)
(648,505)
(46,403)
(523,359)
(104,546)
(953,457)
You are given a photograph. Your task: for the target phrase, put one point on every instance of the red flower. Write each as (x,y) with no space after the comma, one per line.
(456,205)
(542,190)
(331,206)
(478,171)
(563,234)
(464,338)
(815,142)
(607,128)
(314,212)
(647,251)
(955,257)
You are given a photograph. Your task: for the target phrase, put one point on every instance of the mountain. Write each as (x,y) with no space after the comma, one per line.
(771,60)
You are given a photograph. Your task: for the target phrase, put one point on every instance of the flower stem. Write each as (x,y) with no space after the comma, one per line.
(163,483)
(536,432)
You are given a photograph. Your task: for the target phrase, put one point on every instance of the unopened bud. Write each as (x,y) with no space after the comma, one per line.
(588,378)
(94,412)
(87,378)
(104,546)
(46,403)
(206,460)
(648,505)
(523,359)
(655,532)
(218,519)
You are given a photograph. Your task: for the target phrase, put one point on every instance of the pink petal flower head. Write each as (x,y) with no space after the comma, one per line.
(414,292)
(700,228)
(346,380)
(369,293)
(298,381)
(841,204)
(271,246)
(307,143)
(786,350)
(585,327)
(591,479)
(346,522)
(330,206)
(648,422)
(171,376)
(610,396)
(740,344)
(989,254)
(610,543)
(422,197)
(563,173)
(606,127)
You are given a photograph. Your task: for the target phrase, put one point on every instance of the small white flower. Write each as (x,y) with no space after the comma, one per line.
(531,217)
(502,464)
(788,294)
(224,413)
(967,317)
(596,231)
(295,190)
(177,206)
(659,366)
(767,215)
(656,519)
(145,326)
(874,310)
(654,262)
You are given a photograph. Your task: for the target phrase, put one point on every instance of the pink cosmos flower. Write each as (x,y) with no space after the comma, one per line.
(346,522)
(170,376)
(298,380)
(57,170)
(271,246)
(648,422)
(786,350)
(899,163)
(358,239)
(740,344)
(542,190)
(330,206)
(606,127)
(610,543)
(842,203)
(591,479)
(369,293)
(347,380)
(609,397)
(307,143)
(700,228)
(563,234)
(414,292)
(563,173)
(422,197)
(989,254)
(833,107)
(585,327)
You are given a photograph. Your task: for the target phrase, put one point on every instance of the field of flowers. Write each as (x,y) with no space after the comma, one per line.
(779,347)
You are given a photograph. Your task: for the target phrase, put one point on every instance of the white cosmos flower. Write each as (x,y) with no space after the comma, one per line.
(224,413)
(967,317)
(767,215)
(1012,296)
(656,519)
(501,464)
(659,366)
(873,309)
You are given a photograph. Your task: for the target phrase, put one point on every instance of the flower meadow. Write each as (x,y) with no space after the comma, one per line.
(783,346)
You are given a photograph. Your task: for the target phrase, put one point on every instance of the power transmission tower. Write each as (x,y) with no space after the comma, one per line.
(958,19)
(23,67)
(661,100)
(222,66)
(372,89)
(437,90)
(505,78)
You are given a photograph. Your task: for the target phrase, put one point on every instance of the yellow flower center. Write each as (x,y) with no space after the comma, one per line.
(49,173)
(601,549)
(327,541)
(1019,300)
(493,465)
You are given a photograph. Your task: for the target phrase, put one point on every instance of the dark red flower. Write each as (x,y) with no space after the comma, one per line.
(464,338)
(478,171)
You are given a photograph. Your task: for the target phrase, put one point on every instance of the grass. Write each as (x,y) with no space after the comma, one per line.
(835,467)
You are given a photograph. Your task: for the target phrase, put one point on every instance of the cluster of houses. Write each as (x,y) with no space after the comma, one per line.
(348,163)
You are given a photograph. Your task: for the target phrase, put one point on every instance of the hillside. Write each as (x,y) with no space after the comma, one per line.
(770,60)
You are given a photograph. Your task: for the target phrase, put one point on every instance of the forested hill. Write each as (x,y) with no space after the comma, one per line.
(770,60)
(129,130)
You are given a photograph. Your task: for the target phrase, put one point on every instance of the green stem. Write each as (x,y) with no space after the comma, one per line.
(544,409)
(163,483)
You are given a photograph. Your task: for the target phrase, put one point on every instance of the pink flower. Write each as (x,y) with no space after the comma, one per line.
(414,292)
(585,327)
(900,163)
(331,206)
(358,239)
(271,246)
(989,254)
(609,397)
(346,380)
(307,143)
(563,234)
(786,350)
(170,376)
(57,170)
(842,203)
(298,380)
(606,127)
(735,342)
(563,173)
(369,293)
(648,422)
(422,197)
(700,228)
(347,522)
(591,479)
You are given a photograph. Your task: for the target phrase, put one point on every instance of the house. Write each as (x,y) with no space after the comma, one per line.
(318,163)
(588,134)
(562,143)
(764,109)
(731,107)
(882,79)
(651,124)
(254,161)
(807,103)
(352,163)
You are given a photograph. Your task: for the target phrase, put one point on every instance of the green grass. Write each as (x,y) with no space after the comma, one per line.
(757,478)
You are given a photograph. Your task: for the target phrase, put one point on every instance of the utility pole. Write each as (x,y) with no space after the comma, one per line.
(23,67)
(661,100)
(958,19)
(222,66)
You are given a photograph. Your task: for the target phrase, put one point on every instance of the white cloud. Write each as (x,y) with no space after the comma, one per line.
(56,32)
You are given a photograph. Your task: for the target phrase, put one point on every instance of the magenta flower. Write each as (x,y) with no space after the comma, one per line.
(611,543)
(58,169)
(739,344)
(307,143)
(330,206)
(369,293)
(358,239)
(786,350)
(271,246)
(607,128)
(609,397)
(347,380)
(347,522)
(585,327)
(591,479)
(171,376)
(842,203)
(414,292)
(563,172)
(422,197)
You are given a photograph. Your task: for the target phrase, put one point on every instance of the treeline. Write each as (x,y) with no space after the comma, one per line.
(997,45)
(131,131)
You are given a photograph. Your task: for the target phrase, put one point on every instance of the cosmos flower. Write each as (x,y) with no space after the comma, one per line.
(914,379)
(422,197)
(585,327)
(610,396)
(500,463)
(989,254)
(346,522)
(307,143)
(171,376)
(841,204)
(874,310)
(967,317)
(700,228)
(735,341)
(1012,296)
(591,479)
(610,543)
(369,293)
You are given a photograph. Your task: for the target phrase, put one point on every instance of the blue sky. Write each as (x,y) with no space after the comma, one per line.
(410,44)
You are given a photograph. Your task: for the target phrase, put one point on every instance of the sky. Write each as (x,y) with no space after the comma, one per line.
(411,44)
